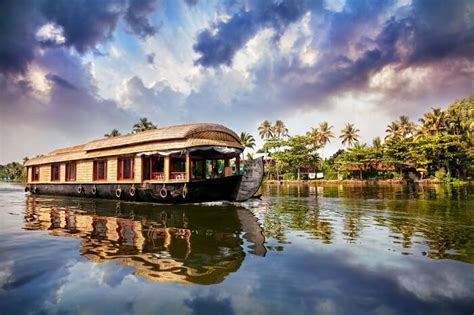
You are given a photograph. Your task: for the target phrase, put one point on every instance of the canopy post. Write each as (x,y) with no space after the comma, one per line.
(167,168)
(188,166)
(237,165)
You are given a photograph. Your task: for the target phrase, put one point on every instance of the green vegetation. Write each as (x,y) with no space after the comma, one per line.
(13,171)
(440,146)
(247,140)
(142,125)
(113,133)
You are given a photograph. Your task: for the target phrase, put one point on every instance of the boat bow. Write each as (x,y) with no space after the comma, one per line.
(251,180)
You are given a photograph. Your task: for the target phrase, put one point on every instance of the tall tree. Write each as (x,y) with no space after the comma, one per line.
(434,122)
(113,133)
(325,133)
(142,125)
(247,140)
(265,130)
(280,129)
(393,130)
(406,126)
(349,135)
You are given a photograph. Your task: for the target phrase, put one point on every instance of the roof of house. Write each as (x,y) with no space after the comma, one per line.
(167,138)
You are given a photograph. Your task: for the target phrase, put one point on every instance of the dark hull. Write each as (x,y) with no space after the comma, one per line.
(225,188)
(231,188)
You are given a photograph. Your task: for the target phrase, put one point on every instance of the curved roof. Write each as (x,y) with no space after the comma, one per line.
(173,137)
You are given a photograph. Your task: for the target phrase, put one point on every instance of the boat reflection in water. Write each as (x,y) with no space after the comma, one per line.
(191,244)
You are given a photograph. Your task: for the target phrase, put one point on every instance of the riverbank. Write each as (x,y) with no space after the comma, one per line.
(368,182)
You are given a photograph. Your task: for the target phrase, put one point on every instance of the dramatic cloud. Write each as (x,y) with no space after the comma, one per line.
(137,17)
(235,63)
(17,35)
(58,104)
(219,45)
(79,24)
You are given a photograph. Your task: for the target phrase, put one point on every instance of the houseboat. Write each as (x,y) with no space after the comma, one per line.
(178,164)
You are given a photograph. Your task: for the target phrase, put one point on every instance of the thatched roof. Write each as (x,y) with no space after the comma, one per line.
(167,138)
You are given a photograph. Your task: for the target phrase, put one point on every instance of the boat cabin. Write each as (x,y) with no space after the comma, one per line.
(184,153)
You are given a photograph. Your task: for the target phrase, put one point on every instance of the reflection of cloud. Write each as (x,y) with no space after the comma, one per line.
(5,273)
(209,305)
(429,285)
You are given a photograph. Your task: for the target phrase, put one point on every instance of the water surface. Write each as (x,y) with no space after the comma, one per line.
(298,250)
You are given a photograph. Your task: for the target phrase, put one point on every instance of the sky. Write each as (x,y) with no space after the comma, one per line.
(70,71)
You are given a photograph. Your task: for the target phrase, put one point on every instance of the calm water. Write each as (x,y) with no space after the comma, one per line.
(298,250)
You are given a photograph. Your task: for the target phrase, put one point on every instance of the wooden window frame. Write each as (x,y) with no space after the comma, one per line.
(52,172)
(95,170)
(35,177)
(68,177)
(120,167)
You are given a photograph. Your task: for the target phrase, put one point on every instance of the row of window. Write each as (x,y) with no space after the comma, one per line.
(124,170)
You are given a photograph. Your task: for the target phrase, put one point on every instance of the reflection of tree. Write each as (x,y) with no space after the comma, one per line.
(352,225)
(435,220)
(296,215)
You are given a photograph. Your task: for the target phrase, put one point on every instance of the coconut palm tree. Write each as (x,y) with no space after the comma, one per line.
(377,143)
(434,122)
(142,125)
(280,129)
(315,138)
(265,130)
(349,135)
(113,133)
(406,126)
(393,130)
(325,133)
(247,140)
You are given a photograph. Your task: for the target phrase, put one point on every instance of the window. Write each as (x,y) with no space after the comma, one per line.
(178,165)
(55,172)
(35,173)
(70,171)
(125,168)
(178,168)
(100,170)
(153,167)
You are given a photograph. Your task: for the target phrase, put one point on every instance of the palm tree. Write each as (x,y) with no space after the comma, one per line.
(406,126)
(142,125)
(280,129)
(349,135)
(377,143)
(434,122)
(315,137)
(393,130)
(247,140)
(325,133)
(265,130)
(113,133)
(323,136)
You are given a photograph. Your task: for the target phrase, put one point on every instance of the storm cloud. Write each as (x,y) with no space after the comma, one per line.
(137,17)
(219,45)
(84,25)
(181,62)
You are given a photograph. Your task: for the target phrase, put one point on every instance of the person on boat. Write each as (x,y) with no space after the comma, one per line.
(215,170)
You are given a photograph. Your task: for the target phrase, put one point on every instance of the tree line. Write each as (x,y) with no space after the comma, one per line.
(440,144)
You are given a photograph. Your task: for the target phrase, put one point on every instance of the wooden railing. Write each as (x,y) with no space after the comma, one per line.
(158,175)
(178,175)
